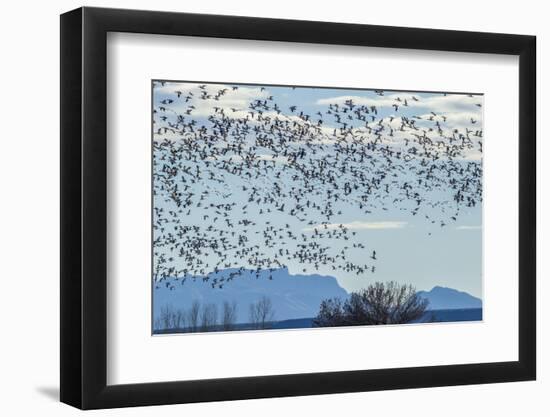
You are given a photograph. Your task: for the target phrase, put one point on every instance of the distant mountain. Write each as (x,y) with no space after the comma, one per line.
(442,298)
(292,296)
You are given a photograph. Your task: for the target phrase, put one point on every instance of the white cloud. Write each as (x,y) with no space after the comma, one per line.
(439,103)
(235,105)
(238,99)
(358,225)
(474,227)
(171,88)
(277,159)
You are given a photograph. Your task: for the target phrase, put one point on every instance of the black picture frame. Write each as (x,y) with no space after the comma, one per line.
(84,207)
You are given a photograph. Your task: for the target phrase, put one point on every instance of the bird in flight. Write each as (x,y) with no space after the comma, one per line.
(240,182)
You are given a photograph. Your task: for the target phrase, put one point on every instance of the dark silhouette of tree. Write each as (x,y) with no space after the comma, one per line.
(170,318)
(157,325)
(166,316)
(193,316)
(178,319)
(261,313)
(229,316)
(379,303)
(209,317)
(331,313)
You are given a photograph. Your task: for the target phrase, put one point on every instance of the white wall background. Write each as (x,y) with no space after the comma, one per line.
(29,225)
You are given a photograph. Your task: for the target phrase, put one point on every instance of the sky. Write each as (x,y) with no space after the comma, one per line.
(409,248)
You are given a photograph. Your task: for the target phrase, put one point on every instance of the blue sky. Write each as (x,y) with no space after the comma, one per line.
(410,248)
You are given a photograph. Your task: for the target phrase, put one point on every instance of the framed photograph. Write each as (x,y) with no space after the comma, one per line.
(256,208)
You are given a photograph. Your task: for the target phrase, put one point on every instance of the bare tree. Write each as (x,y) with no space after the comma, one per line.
(261,313)
(209,317)
(157,325)
(178,319)
(193,316)
(379,303)
(330,314)
(166,313)
(229,315)
(170,318)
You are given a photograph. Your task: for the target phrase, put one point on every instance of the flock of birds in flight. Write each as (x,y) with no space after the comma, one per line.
(259,186)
